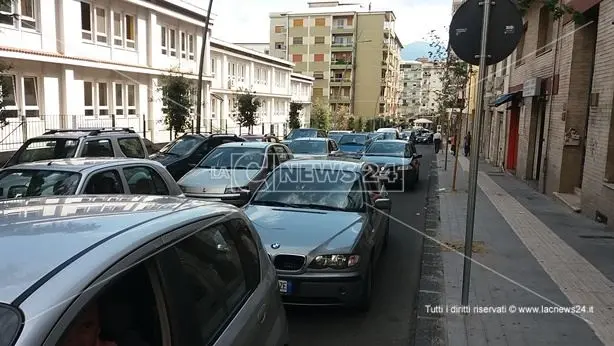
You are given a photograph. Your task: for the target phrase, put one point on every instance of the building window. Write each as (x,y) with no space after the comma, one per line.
(130,25)
(191,48)
(546,27)
(297,23)
(339,23)
(168,41)
(19,91)
(172,39)
(101,25)
(319,40)
(297,40)
(119,99)
(279,29)
(183,44)
(163,41)
(318,57)
(213,66)
(297,57)
(118,26)
(86,21)
(88,98)
(125,99)
(22,13)
(131,99)
(520,48)
(320,21)
(124,30)
(280,79)
(318,75)
(103,98)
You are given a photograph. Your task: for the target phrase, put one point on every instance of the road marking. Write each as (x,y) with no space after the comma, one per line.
(578,279)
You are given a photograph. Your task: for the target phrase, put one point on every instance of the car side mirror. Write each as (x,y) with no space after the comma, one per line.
(382,204)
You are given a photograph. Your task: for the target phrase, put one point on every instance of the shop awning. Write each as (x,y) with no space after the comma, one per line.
(505,98)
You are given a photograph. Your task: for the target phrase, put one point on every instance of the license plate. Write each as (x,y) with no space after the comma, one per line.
(285,287)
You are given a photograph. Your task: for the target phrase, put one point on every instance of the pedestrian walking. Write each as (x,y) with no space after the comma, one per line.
(467,143)
(437,140)
(453,145)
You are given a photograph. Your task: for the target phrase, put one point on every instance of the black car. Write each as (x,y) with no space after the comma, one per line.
(185,152)
(425,137)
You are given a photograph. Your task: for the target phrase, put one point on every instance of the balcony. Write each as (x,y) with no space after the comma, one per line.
(340,81)
(339,99)
(343,29)
(340,64)
(342,47)
(382,99)
(386,45)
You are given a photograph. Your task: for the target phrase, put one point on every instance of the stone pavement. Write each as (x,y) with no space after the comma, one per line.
(529,251)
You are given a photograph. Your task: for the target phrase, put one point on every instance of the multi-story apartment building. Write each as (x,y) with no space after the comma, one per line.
(94,63)
(431,86)
(352,52)
(411,96)
(560,130)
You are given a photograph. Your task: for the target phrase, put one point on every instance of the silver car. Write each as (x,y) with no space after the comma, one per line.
(90,176)
(231,170)
(134,270)
(313,148)
(398,162)
(324,224)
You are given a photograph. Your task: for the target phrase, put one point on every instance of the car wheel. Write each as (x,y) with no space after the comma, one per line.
(367,293)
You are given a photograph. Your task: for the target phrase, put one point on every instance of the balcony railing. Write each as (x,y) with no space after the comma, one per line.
(342,44)
(341,80)
(339,98)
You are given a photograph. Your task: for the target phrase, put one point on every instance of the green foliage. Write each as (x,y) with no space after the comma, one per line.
(557,9)
(293,117)
(177,100)
(320,116)
(339,118)
(246,104)
(6,85)
(359,125)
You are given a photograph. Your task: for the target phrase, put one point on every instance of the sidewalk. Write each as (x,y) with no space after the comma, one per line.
(536,253)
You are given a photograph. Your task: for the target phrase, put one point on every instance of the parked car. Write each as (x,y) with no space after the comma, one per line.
(261,138)
(303,133)
(91,142)
(424,137)
(398,161)
(325,234)
(336,135)
(354,145)
(142,270)
(87,176)
(389,133)
(313,147)
(232,169)
(185,152)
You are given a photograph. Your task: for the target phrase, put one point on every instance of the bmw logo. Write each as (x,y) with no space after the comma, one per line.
(275,245)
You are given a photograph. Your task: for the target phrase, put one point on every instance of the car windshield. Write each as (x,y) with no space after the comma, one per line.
(353,140)
(386,149)
(309,147)
(234,158)
(15,183)
(316,188)
(181,146)
(39,149)
(336,136)
(302,133)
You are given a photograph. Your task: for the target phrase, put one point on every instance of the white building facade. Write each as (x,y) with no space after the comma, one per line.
(432,73)
(99,63)
(411,96)
(302,87)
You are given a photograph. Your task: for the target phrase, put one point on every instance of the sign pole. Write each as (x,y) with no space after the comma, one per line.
(475,151)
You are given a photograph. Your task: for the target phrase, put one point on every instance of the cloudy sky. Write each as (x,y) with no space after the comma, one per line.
(248,20)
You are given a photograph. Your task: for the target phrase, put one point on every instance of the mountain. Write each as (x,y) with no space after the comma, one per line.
(415,50)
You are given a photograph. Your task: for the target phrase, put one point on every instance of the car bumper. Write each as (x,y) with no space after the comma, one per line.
(334,289)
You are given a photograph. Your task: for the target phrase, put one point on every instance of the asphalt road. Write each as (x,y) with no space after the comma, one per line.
(389,320)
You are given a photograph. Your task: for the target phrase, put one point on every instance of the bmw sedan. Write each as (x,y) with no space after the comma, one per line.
(325,224)
(397,160)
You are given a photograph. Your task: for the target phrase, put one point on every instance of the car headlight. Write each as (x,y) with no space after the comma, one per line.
(335,261)
(237,189)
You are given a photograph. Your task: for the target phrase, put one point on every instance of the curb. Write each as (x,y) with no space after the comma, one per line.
(430,328)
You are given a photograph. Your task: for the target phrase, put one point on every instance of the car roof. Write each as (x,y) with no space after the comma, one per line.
(246,144)
(387,129)
(87,132)
(42,236)
(328,163)
(308,139)
(79,164)
(400,141)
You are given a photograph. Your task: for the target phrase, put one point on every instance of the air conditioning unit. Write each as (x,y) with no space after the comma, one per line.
(498,83)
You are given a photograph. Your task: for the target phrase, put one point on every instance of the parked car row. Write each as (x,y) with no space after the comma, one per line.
(141,251)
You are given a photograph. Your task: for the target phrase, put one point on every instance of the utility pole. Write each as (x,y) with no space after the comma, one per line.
(199,96)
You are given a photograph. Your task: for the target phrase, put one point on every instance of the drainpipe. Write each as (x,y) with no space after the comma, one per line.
(554,69)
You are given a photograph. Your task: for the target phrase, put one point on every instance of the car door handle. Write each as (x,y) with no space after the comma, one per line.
(262,314)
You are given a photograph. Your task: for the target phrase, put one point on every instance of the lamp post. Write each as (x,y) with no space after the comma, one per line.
(199,96)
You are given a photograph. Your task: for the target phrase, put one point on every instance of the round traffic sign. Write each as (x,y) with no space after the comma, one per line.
(505,30)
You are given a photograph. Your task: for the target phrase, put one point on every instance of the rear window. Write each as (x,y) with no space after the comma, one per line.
(17,183)
(131,147)
(48,149)
(10,324)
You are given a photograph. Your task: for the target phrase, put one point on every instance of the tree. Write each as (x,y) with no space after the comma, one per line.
(294,122)
(177,100)
(359,126)
(320,116)
(351,123)
(339,118)
(247,104)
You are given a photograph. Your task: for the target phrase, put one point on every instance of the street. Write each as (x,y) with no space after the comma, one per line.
(388,321)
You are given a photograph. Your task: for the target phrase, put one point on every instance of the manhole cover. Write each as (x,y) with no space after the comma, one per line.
(597,236)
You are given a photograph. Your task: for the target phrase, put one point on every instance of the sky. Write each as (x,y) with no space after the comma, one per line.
(248,20)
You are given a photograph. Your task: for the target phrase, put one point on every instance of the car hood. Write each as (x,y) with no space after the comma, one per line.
(351,148)
(214,180)
(165,159)
(305,231)
(385,160)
